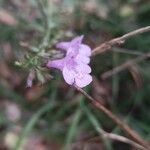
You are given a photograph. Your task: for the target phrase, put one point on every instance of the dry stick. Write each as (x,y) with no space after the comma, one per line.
(110,136)
(119,122)
(124,66)
(119,138)
(120,40)
(123,139)
(102,48)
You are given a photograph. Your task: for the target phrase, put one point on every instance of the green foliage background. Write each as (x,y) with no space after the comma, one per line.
(54,111)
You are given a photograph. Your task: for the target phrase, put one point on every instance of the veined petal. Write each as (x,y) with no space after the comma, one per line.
(84,81)
(63,45)
(74,65)
(76,41)
(69,75)
(82,59)
(85,50)
(83,68)
(58,64)
(75,45)
(72,51)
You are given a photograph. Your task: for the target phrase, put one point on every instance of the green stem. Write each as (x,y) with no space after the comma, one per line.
(96,125)
(73,128)
(33,120)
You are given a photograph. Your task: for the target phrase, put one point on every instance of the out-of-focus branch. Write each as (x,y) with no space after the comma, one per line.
(126,51)
(116,137)
(111,136)
(125,65)
(117,41)
(133,134)
(122,139)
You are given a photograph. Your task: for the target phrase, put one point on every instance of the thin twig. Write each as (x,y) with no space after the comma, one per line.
(110,136)
(133,134)
(119,138)
(123,139)
(117,41)
(125,65)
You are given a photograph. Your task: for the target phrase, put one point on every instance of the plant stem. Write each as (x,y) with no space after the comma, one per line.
(119,40)
(133,134)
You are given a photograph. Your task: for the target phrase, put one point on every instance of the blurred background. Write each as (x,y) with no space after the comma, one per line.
(52,115)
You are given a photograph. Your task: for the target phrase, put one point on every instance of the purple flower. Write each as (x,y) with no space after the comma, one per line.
(74,65)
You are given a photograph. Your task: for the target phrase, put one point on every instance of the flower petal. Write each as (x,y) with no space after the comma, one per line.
(58,64)
(75,45)
(82,82)
(83,68)
(82,59)
(76,41)
(63,45)
(68,75)
(85,50)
